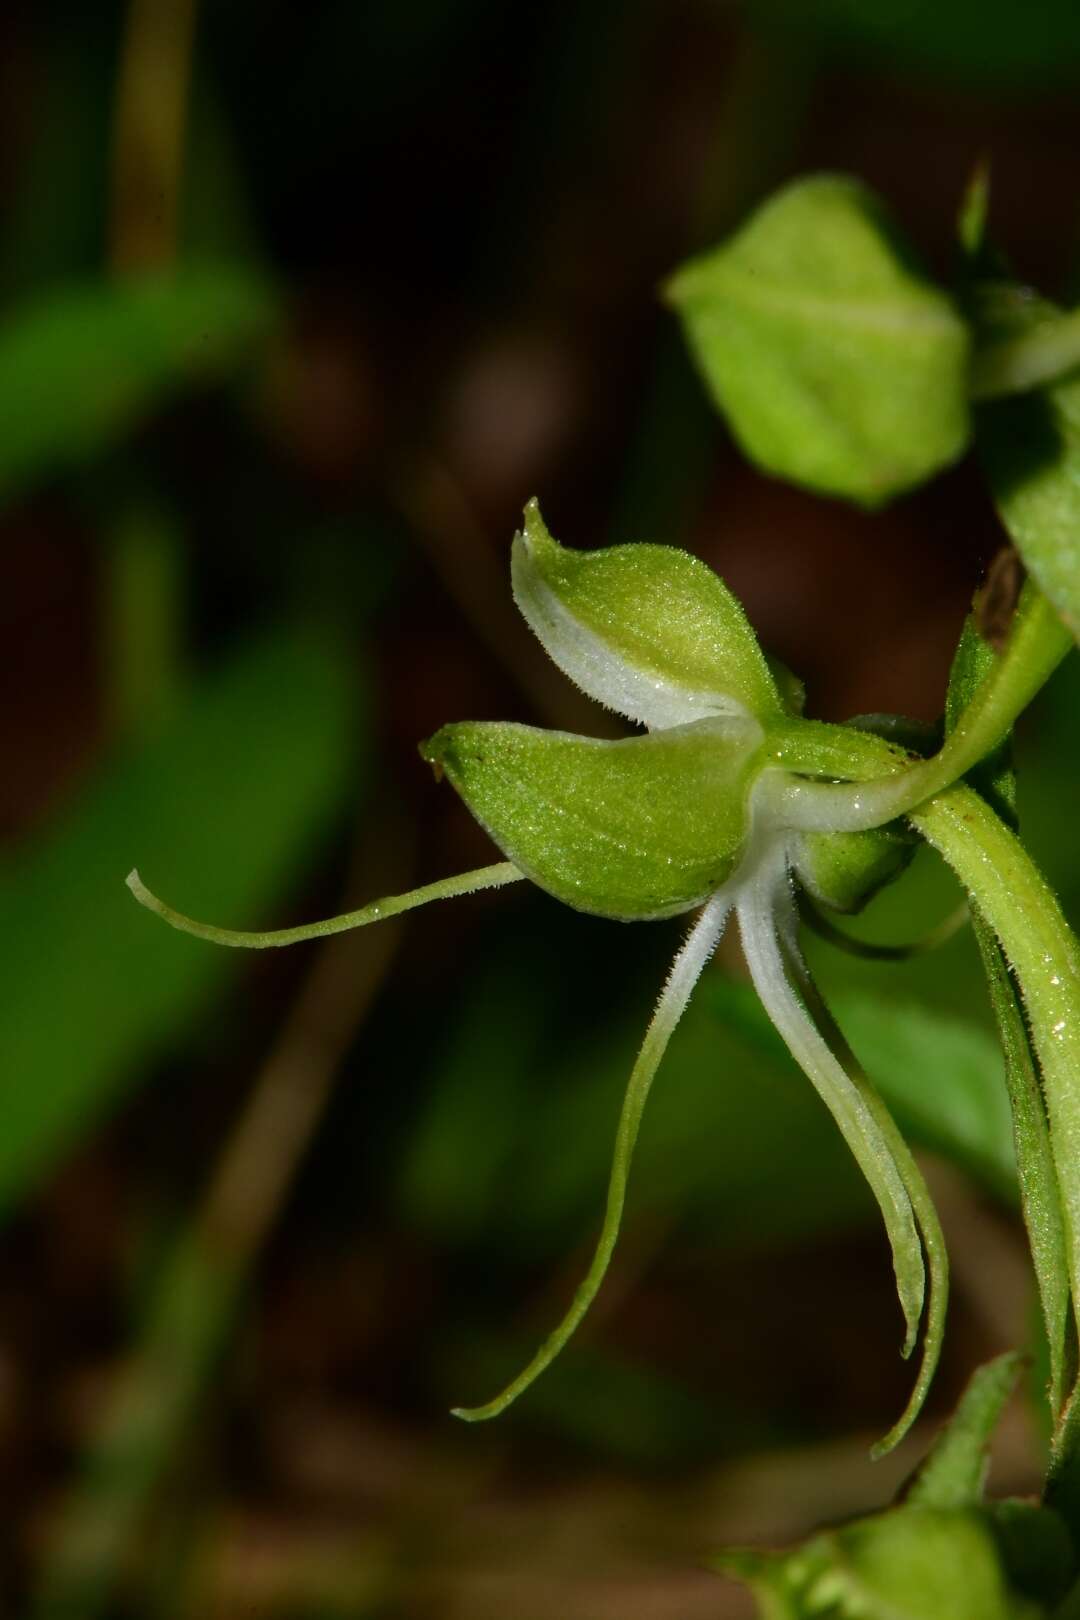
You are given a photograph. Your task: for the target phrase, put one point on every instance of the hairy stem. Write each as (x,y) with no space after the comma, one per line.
(1044,955)
(1037,644)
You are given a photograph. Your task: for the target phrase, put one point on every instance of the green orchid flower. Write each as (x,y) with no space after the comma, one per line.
(725,806)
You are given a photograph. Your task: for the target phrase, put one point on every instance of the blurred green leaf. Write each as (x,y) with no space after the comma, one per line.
(1030,448)
(913,1563)
(942,1078)
(968,40)
(80,366)
(515,1145)
(837,363)
(221,811)
(938,1556)
(940,1075)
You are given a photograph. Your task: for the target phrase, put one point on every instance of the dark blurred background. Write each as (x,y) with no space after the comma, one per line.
(299,305)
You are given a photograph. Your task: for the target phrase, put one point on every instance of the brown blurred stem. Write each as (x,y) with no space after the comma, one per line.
(143,560)
(149,132)
(158,1390)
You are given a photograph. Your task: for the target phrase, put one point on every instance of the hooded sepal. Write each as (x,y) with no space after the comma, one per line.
(648,631)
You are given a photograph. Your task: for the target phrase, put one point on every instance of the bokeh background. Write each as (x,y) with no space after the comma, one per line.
(299,305)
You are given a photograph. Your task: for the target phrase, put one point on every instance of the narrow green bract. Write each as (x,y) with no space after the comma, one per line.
(1030,446)
(646,630)
(836,362)
(643,827)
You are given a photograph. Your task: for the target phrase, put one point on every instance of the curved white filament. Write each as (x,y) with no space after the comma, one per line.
(686,969)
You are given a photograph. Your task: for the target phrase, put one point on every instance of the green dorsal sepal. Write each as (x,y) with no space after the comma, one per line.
(648,631)
(639,828)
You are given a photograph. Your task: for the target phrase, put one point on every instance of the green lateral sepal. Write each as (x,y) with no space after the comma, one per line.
(639,828)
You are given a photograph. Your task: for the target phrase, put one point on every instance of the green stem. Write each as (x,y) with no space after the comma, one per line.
(485,877)
(1044,954)
(1037,644)
(1040,1195)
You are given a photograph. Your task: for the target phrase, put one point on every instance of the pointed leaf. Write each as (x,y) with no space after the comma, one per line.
(229,799)
(837,363)
(643,827)
(954,1474)
(646,630)
(912,1563)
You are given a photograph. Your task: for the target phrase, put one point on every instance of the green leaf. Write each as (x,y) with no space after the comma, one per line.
(1035,1547)
(954,1473)
(913,1563)
(964,41)
(642,827)
(837,363)
(514,1140)
(646,630)
(1030,448)
(80,366)
(938,1556)
(225,805)
(938,1073)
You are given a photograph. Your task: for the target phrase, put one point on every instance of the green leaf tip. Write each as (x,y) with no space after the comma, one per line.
(836,362)
(646,630)
(954,1473)
(909,1563)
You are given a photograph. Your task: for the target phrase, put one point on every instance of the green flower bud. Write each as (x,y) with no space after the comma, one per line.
(639,828)
(648,631)
(844,871)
